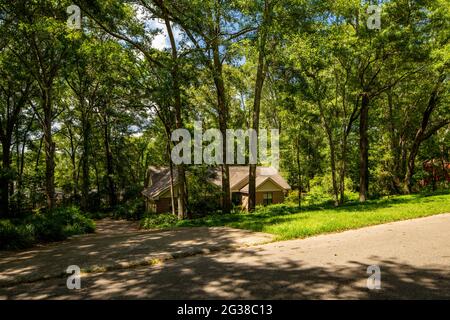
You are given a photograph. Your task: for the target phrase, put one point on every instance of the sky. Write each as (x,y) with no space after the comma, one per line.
(160,41)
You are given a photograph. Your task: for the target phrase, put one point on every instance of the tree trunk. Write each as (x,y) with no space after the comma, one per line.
(364,149)
(223,123)
(329,133)
(182,194)
(299,173)
(85,163)
(411,165)
(260,77)
(343,170)
(109,166)
(4,179)
(21,168)
(49,150)
(172,190)
(423,133)
(72,155)
(333,171)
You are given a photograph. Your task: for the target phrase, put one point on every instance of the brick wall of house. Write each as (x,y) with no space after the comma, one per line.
(163,205)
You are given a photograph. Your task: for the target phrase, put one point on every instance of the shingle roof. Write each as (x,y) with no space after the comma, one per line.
(160,181)
(261,179)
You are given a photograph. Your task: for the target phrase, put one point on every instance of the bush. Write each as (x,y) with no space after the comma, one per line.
(97,215)
(164,220)
(322,190)
(132,210)
(74,221)
(61,223)
(55,225)
(15,237)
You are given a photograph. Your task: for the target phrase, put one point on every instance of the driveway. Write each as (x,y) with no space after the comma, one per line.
(118,245)
(413,256)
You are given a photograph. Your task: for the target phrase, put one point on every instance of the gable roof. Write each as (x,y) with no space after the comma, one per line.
(261,180)
(160,181)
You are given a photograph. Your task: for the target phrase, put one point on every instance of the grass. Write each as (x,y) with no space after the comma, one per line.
(289,222)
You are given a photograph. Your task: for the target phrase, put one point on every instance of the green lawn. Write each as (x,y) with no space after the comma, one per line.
(288,222)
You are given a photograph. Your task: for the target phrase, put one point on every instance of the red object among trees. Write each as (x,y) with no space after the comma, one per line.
(439,170)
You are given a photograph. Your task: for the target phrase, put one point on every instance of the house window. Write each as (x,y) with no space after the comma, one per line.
(267,198)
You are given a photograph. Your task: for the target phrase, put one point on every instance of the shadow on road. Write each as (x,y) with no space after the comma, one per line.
(245,274)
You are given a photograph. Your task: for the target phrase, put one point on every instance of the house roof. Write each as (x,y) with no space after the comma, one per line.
(238,179)
(275,178)
(160,181)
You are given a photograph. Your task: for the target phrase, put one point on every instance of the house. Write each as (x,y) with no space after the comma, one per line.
(271,187)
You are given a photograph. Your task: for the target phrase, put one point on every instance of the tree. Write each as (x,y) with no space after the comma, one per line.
(41,34)
(114,26)
(263,35)
(15,89)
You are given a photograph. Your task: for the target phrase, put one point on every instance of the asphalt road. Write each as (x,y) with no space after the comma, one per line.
(413,257)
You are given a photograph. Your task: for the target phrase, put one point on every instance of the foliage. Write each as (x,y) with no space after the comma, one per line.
(321,190)
(15,236)
(203,197)
(164,220)
(50,226)
(84,113)
(130,210)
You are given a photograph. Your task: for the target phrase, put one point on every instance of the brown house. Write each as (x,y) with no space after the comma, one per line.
(271,187)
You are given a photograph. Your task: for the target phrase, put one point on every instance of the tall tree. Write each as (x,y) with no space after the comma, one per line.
(263,35)
(15,88)
(41,30)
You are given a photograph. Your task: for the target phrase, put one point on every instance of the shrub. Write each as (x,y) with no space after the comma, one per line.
(54,225)
(97,215)
(132,210)
(60,223)
(74,221)
(15,237)
(321,190)
(46,229)
(164,220)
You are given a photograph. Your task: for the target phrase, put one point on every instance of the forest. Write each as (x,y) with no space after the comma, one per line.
(90,92)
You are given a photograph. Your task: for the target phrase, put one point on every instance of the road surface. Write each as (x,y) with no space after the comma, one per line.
(413,257)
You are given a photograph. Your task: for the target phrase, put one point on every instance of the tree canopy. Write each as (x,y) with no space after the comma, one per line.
(84,112)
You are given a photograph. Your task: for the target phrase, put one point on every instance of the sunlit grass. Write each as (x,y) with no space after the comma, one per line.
(289,222)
